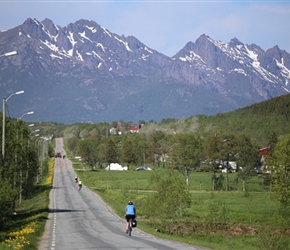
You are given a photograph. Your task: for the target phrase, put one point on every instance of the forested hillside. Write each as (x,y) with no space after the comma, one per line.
(258,121)
(279,105)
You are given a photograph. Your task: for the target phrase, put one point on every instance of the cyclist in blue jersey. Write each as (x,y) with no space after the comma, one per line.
(130,214)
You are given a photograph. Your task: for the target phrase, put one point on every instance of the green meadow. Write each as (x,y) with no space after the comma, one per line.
(217,220)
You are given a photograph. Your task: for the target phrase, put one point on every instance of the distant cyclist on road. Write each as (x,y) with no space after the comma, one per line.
(80,185)
(130,214)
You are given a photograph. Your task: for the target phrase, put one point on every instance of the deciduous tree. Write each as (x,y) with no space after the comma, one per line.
(186,152)
(281,177)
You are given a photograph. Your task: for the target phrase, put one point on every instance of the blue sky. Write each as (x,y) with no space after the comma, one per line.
(166,26)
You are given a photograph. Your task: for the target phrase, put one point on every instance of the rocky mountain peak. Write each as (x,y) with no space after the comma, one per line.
(49,25)
(235,42)
(84,72)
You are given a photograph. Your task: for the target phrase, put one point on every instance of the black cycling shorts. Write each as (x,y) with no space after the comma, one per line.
(130,216)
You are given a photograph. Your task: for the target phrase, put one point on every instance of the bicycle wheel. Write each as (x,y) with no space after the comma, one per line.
(130,227)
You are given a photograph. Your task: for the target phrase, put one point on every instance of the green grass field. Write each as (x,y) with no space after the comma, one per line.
(218,220)
(139,180)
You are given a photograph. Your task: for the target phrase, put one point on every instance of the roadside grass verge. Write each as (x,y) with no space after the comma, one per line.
(24,230)
(218,220)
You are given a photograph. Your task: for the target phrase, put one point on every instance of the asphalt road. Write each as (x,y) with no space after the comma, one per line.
(81,220)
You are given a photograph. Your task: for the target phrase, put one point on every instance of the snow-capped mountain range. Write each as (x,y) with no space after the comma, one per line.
(83,72)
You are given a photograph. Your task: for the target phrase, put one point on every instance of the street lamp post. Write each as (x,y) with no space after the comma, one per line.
(36,130)
(27,113)
(20,174)
(3,126)
(11,53)
(40,147)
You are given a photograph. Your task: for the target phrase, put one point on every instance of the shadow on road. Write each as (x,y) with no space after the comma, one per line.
(64,210)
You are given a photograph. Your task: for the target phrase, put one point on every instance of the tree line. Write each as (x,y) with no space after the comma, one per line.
(182,151)
(22,165)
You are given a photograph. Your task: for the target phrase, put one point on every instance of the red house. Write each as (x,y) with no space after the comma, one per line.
(263,151)
(134,128)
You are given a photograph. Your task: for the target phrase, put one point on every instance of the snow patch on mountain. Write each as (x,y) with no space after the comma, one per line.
(285,72)
(106,31)
(241,71)
(79,56)
(99,45)
(83,35)
(98,56)
(125,43)
(55,56)
(71,38)
(51,46)
(256,64)
(148,50)
(92,29)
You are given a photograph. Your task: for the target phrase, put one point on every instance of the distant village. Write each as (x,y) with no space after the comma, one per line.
(120,130)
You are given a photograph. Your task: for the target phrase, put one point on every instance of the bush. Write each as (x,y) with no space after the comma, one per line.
(171,197)
(8,196)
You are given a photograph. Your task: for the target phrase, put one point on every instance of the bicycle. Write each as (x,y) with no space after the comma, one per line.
(130,227)
(130,211)
(80,185)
